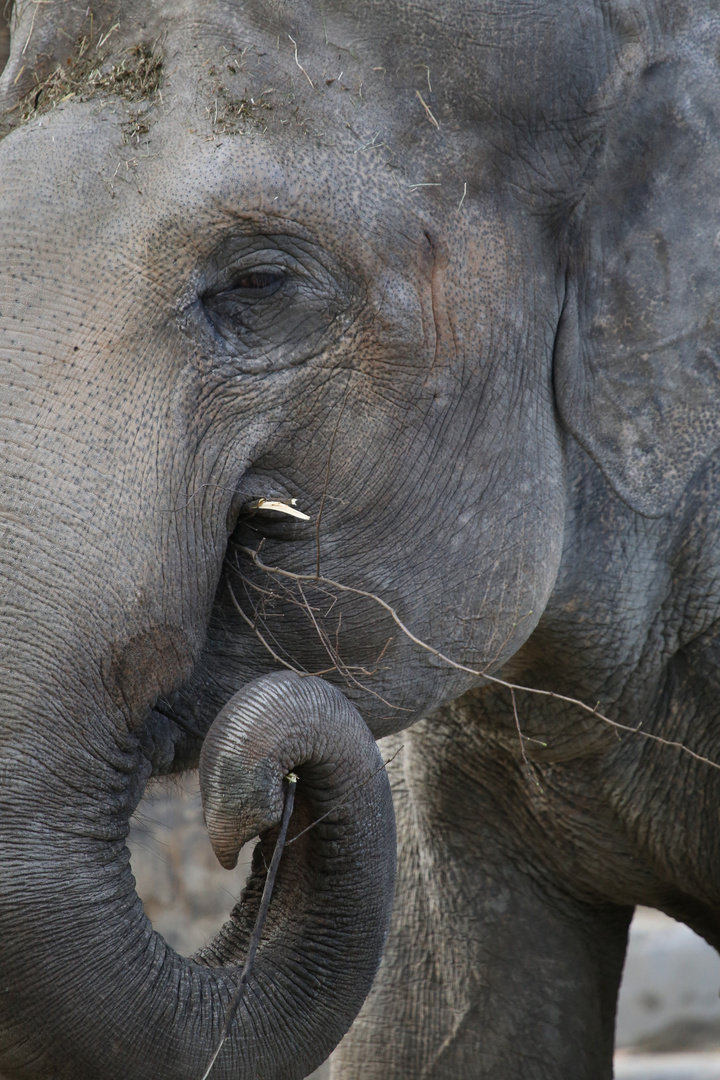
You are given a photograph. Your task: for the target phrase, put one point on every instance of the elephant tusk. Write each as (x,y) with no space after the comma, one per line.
(280,506)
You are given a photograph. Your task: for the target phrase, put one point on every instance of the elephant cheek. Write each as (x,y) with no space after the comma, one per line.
(146,666)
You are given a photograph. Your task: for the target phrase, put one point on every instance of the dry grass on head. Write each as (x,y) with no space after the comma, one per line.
(135,77)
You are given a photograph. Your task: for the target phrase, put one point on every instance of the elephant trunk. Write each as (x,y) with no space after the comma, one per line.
(108,998)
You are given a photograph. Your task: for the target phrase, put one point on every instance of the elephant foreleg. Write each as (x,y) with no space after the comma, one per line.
(490,970)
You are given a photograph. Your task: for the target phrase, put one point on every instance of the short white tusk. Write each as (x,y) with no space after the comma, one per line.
(281,506)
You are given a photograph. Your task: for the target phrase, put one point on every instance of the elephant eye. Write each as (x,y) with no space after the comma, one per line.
(257,284)
(265,303)
(239,308)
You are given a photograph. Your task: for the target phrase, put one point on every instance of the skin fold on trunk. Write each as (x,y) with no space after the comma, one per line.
(125,1005)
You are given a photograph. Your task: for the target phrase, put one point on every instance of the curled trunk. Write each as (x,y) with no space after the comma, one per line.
(108,998)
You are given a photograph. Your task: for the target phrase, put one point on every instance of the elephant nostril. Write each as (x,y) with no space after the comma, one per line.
(226,851)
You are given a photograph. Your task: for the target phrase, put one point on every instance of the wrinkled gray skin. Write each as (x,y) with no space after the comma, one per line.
(447,275)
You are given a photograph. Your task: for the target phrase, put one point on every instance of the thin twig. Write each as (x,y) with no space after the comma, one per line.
(426,107)
(255,630)
(521,738)
(322,635)
(346,670)
(105,36)
(300,65)
(343,668)
(473,671)
(259,921)
(37,4)
(510,633)
(253,626)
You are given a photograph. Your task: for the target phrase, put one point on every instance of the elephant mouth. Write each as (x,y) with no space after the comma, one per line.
(162,710)
(171,731)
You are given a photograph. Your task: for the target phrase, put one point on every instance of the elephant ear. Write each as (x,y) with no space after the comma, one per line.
(637,365)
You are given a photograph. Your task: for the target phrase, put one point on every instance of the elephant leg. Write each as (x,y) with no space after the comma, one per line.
(490,971)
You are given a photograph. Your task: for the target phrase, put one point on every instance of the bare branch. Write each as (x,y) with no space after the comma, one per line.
(593,711)
(300,65)
(426,107)
(521,738)
(257,633)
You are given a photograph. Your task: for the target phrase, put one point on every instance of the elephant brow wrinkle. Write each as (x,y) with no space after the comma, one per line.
(327,477)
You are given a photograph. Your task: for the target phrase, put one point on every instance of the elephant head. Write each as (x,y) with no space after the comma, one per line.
(298,308)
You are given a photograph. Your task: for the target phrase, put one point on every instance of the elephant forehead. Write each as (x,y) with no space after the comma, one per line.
(164,207)
(433,95)
(422,98)
(488,60)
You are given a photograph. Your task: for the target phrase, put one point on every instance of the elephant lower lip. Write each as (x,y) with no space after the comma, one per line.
(159,739)
(169,714)
(163,744)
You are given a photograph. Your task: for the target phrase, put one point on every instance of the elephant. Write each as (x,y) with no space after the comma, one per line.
(359,382)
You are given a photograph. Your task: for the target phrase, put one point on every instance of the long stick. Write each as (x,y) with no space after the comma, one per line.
(259,921)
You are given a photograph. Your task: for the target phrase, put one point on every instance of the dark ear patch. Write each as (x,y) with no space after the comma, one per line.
(637,358)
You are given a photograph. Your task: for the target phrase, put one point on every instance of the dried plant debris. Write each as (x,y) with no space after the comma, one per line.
(135,77)
(236,115)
